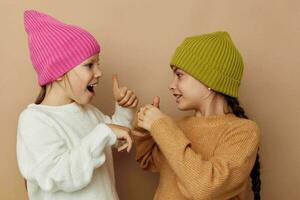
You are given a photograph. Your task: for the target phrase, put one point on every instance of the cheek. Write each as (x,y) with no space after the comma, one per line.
(75,87)
(186,88)
(193,89)
(200,94)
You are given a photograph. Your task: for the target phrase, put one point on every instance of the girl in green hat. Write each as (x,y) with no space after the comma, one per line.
(211,154)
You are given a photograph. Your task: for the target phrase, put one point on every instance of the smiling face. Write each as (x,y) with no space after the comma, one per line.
(190,94)
(80,82)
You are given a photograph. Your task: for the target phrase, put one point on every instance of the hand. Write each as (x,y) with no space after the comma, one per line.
(148,114)
(125,97)
(140,132)
(123,136)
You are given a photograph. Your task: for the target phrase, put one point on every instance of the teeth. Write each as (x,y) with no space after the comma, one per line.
(93,85)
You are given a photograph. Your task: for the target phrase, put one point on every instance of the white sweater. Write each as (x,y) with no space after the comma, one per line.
(64,152)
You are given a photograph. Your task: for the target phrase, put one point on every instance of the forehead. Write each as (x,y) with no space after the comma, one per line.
(93,58)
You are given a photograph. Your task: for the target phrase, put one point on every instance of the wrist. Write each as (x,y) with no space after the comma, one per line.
(156,124)
(112,135)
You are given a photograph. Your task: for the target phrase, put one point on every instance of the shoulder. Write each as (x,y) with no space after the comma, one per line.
(243,124)
(36,128)
(33,121)
(32,115)
(243,128)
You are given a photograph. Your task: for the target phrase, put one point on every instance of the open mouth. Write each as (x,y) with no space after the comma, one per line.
(177,96)
(91,87)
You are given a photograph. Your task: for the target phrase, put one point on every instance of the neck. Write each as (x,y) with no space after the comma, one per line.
(215,106)
(55,96)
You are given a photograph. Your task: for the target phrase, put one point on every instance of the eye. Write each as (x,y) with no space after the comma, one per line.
(179,75)
(89,65)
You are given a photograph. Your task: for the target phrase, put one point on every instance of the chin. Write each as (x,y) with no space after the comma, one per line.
(84,101)
(182,107)
(185,106)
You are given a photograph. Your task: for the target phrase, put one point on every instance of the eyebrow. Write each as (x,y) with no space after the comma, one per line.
(174,68)
(90,62)
(87,63)
(178,70)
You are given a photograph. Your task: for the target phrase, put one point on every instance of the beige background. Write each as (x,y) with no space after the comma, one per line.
(138,38)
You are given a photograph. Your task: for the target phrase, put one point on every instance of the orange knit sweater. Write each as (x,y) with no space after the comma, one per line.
(200,158)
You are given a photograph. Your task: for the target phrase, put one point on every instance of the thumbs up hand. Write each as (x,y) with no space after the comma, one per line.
(148,114)
(140,131)
(156,101)
(125,97)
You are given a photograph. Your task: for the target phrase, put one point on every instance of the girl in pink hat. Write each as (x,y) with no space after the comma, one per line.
(63,142)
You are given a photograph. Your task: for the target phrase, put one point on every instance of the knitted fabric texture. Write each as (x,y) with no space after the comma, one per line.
(212,59)
(56,48)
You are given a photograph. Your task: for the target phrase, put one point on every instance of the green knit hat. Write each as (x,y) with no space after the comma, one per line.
(213,60)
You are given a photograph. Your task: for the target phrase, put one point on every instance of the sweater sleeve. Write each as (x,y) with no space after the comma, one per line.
(221,176)
(147,152)
(45,158)
(122,116)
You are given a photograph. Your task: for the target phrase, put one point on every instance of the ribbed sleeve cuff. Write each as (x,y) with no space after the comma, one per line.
(123,116)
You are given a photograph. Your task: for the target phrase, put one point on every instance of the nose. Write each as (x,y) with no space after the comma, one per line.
(97,72)
(172,85)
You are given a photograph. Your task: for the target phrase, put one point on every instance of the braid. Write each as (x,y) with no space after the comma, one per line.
(255,172)
(255,176)
(235,107)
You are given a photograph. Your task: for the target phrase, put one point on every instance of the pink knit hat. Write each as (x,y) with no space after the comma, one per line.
(55,48)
